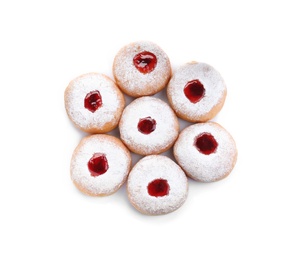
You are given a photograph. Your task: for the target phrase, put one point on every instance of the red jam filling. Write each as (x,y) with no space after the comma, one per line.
(147,125)
(206,143)
(145,62)
(93,101)
(194,91)
(158,188)
(97,164)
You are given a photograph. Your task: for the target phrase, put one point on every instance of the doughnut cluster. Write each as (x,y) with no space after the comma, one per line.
(148,126)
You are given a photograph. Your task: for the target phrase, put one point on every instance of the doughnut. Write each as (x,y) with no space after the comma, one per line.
(148,126)
(157,185)
(205,151)
(100,165)
(94,103)
(196,92)
(141,68)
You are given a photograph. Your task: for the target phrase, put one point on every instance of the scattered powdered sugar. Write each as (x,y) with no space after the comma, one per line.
(112,101)
(118,158)
(206,168)
(131,80)
(163,137)
(215,89)
(156,167)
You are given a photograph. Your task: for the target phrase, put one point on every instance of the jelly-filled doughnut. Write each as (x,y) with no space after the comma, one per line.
(156,185)
(100,165)
(196,92)
(94,103)
(206,152)
(148,126)
(141,68)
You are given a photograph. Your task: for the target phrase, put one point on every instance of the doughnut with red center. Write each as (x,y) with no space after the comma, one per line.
(94,103)
(100,165)
(196,92)
(141,68)
(206,152)
(156,185)
(148,126)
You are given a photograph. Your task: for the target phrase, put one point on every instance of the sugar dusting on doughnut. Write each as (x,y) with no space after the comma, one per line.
(104,118)
(118,158)
(131,80)
(212,100)
(166,129)
(155,167)
(203,167)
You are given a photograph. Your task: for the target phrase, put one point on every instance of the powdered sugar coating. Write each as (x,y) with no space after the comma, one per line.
(135,83)
(161,139)
(103,119)
(156,167)
(209,105)
(118,158)
(201,167)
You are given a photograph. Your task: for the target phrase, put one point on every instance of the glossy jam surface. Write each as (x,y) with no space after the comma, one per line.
(93,101)
(206,143)
(158,188)
(97,164)
(145,62)
(147,125)
(194,91)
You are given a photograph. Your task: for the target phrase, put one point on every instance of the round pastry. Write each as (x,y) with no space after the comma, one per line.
(141,68)
(100,165)
(148,126)
(196,92)
(157,185)
(206,152)
(94,103)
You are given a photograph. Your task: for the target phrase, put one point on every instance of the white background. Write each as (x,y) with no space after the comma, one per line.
(255,213)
